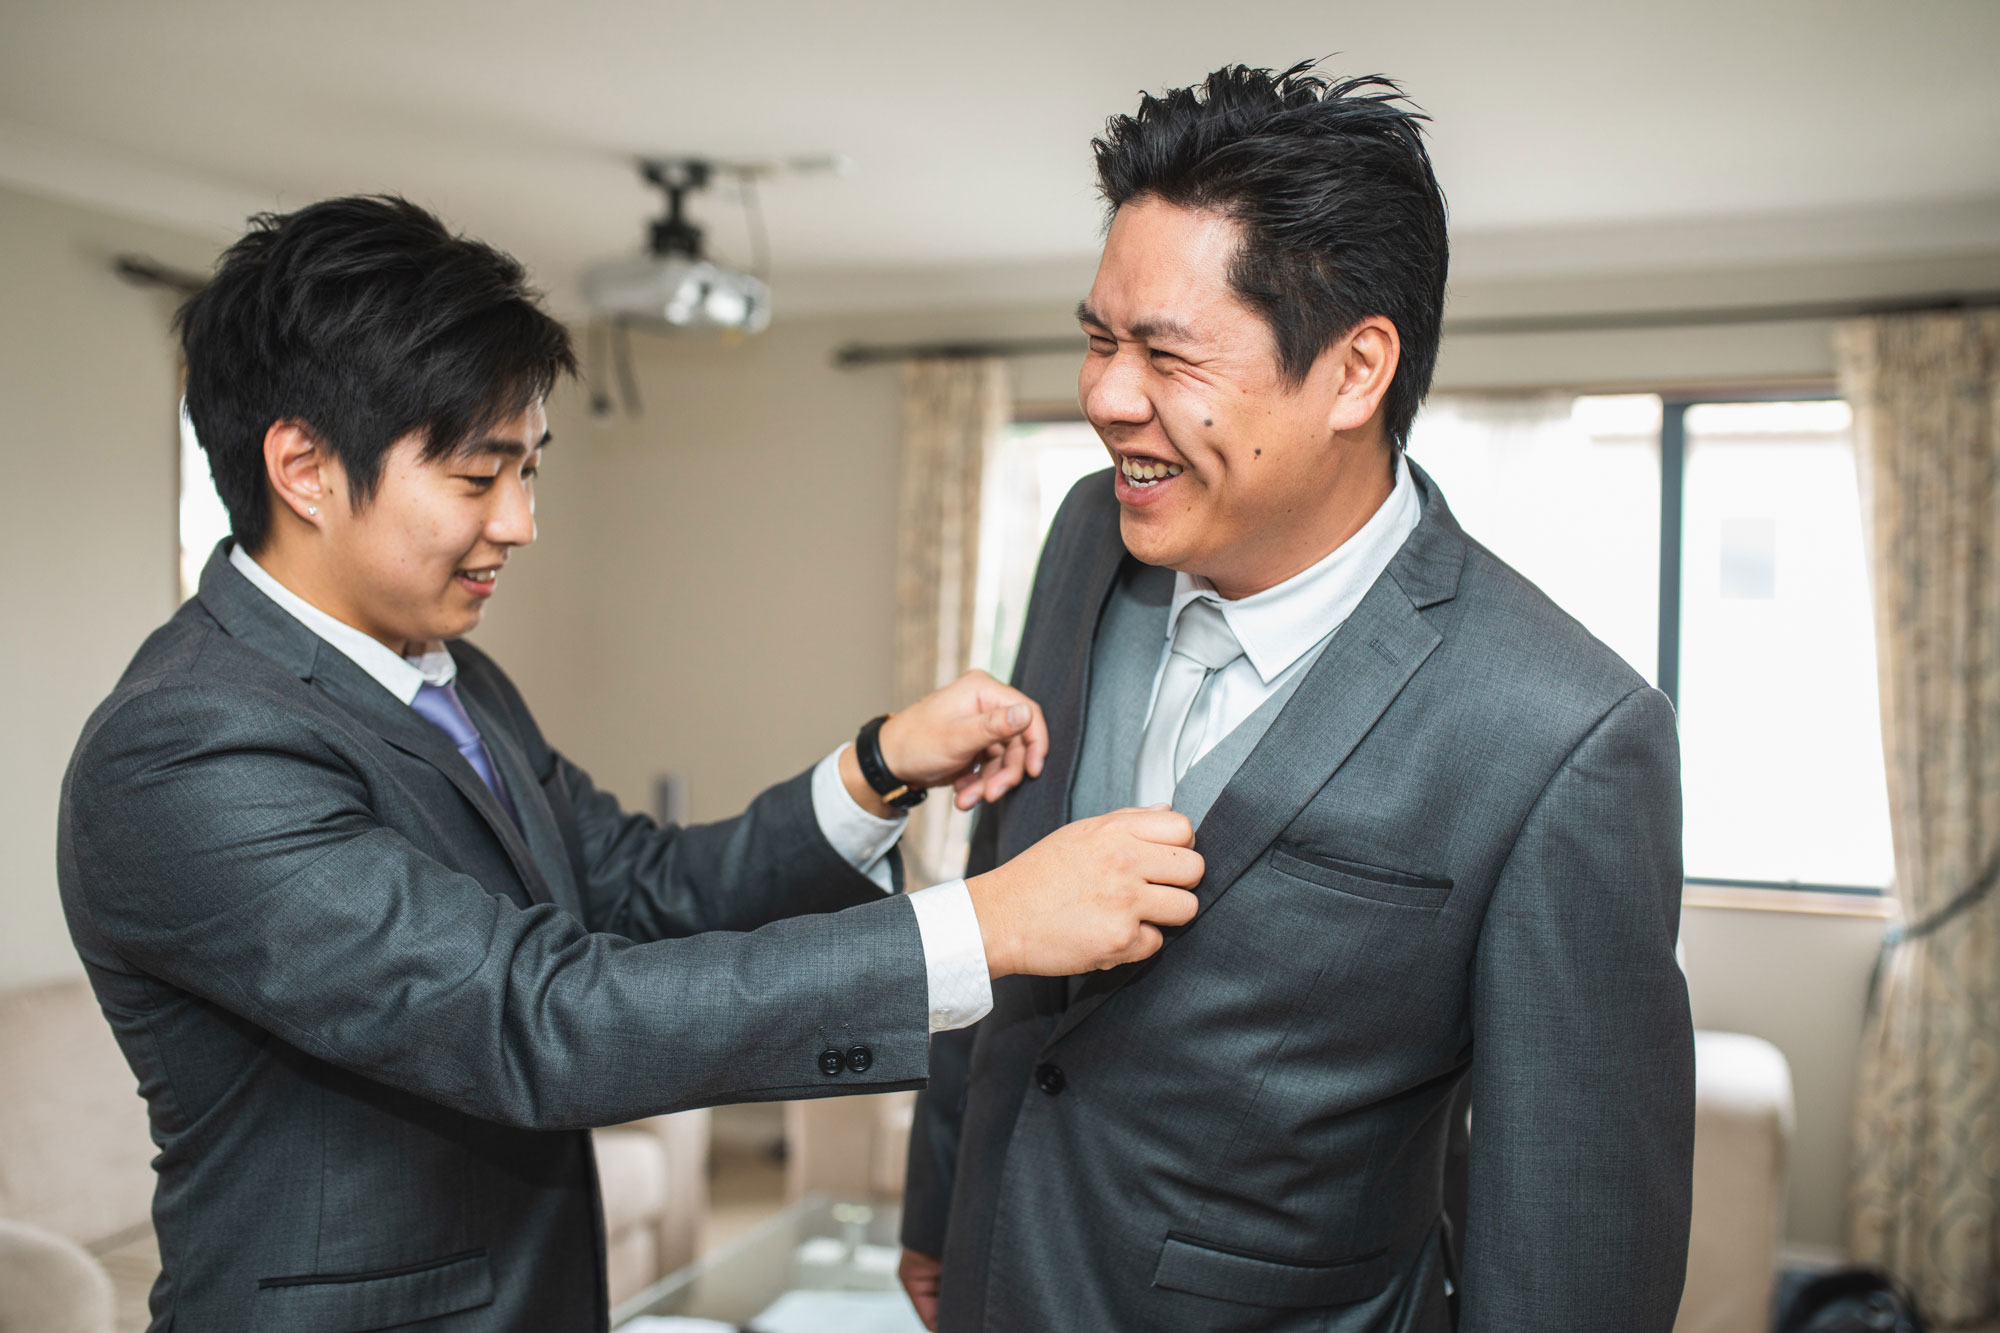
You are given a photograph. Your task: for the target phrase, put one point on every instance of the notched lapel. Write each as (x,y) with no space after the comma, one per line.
(1043,804)
(538,821)
(254,619)
(1359,674)
(401,726)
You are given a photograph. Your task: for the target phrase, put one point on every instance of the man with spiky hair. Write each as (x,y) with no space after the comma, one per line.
(1441,822)
(378,953)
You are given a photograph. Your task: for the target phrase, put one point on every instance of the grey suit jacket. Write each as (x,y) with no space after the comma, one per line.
(1455,853)
(371,1018)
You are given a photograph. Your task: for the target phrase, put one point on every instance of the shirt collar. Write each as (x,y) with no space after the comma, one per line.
(401,676)
(1278,625)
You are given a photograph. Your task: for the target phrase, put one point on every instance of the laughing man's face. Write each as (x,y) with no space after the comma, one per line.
(1220,460)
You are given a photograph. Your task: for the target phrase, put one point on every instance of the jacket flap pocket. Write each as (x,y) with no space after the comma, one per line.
(355,1303)
(1227,1275)
(1385,886)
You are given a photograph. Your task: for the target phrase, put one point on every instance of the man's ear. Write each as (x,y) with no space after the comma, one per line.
(1365,362)
(297,467)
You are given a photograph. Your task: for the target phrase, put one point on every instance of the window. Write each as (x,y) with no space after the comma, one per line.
(1027,475)
(203,520)
(1781,743)
(1716,546)
(1543,481)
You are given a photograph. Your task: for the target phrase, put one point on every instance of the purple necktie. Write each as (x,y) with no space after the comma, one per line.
(439,706)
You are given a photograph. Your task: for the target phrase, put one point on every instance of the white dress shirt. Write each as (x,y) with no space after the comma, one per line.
(954,950)
(1284,628)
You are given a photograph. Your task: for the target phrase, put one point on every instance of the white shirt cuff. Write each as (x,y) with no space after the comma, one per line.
(863,840)
(954,955)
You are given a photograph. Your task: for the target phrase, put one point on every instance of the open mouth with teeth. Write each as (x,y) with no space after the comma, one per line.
(479,580)
(1141,473)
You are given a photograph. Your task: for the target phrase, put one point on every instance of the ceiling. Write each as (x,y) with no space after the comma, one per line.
(969,125)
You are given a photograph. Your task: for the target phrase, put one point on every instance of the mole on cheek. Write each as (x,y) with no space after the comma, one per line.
(1260,453)
(1208,421)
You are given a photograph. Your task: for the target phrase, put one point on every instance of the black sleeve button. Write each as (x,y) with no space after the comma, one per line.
(1050,1079)
(859,1058)
(831,1061)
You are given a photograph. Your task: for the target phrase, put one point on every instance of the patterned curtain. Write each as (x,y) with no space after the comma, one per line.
(1924,1187)
(953,409)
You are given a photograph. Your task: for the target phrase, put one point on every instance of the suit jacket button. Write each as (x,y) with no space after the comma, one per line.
(1049,1079)
(831,1061)
(859,1058)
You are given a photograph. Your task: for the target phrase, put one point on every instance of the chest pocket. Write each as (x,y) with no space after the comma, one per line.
(1355,880)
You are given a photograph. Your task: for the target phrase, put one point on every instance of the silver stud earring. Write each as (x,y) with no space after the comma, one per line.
(312,511)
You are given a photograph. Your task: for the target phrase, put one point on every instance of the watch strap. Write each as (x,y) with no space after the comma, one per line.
(895,793)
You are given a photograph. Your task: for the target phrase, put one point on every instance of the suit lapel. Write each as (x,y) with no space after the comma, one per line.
(361,695)
(538,822)
(1359,674)
(255,620)
(1124,657)
(1055,669)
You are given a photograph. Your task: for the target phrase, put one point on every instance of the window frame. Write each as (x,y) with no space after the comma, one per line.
(1674,407)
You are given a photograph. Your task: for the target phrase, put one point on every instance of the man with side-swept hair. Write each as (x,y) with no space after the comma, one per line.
(376,950)
(1441,822)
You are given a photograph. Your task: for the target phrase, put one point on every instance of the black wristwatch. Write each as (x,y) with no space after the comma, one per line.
(895,793)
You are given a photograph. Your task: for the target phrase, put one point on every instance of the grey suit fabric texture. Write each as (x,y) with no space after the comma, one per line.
(372,1019)
(1451,852)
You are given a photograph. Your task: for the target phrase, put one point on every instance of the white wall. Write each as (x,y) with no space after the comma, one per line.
(88,378)
(1799,981)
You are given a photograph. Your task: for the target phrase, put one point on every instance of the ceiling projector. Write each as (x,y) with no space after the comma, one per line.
(673,283)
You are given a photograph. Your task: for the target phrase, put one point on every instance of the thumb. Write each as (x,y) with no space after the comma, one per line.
(1002,723)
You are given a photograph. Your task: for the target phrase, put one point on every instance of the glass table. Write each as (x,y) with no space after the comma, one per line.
(826,1265)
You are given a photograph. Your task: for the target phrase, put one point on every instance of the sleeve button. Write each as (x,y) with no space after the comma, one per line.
(830,1061)
(859,1058)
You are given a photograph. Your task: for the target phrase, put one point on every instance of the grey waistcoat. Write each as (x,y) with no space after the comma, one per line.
(1124,659)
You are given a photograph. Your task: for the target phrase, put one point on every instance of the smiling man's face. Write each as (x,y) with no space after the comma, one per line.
(1225,469)
(418,562)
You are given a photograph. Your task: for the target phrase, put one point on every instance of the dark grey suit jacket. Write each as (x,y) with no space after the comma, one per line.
(1455,853)
(371,1019)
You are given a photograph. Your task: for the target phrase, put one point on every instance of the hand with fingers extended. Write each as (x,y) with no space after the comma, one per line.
(1091,895)
(976,735)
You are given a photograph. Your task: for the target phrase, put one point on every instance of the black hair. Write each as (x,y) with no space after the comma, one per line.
(363,320)
(1340,213)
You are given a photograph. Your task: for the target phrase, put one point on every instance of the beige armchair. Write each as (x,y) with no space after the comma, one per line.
(76,1181)
(851,1147)
(1742,1137)
(654,1174)
(50,1284)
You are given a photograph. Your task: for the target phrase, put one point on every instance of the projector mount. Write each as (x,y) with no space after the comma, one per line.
(674,234)
(674,286)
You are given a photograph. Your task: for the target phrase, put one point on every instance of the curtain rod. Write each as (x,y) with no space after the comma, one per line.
(855,355)
(144,272)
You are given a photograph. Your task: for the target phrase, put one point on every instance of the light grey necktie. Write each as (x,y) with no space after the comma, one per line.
(1203,645)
